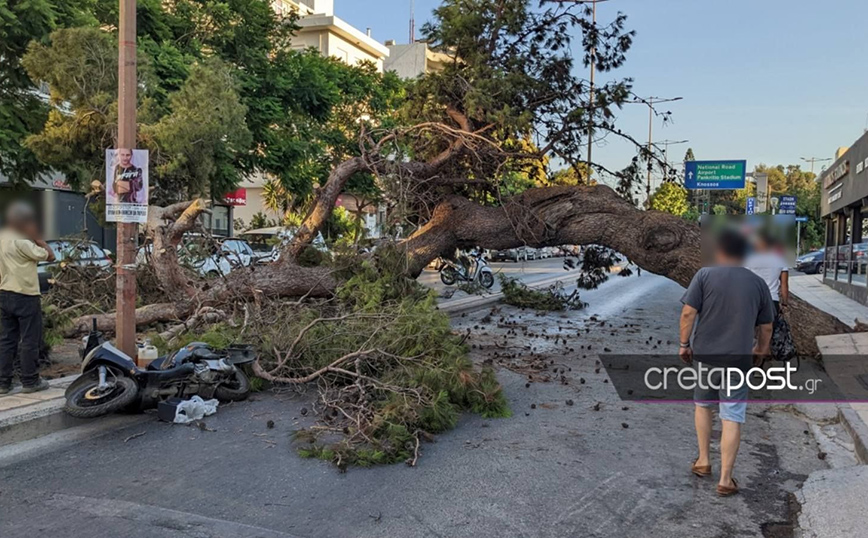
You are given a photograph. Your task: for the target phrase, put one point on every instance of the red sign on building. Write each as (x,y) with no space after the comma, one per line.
(236,198)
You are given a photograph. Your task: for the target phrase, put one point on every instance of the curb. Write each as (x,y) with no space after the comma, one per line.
(857,429)
(36,419)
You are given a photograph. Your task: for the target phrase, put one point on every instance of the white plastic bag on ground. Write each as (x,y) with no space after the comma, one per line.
(194,409)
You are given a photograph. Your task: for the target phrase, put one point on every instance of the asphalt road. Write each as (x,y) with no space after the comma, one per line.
(552,470)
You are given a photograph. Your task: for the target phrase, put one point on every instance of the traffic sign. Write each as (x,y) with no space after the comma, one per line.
(788,205)
(801,219)
(751,206)
(714,175)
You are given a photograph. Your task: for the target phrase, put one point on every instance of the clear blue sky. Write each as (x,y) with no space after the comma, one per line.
(769,81)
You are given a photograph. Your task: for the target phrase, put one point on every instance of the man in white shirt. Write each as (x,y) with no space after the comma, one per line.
(772,267)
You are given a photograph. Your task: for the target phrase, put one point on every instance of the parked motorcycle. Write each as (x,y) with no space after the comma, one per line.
(111,381)
(472,269)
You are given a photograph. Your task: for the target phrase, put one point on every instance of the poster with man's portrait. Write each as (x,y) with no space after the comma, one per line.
(126,185)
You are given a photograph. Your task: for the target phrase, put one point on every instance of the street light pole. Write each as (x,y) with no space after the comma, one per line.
(591,98)
(650,102)
(666,144)
(813,160)
(125,323)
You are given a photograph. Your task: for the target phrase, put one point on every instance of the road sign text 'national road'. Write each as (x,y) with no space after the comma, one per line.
(717,175)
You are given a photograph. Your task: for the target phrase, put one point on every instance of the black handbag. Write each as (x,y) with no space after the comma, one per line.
(783,348)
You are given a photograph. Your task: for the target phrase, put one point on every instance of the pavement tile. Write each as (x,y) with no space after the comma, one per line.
(12,402)
(49,394)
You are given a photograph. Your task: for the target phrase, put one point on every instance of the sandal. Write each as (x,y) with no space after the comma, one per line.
(726,491)
(701,471)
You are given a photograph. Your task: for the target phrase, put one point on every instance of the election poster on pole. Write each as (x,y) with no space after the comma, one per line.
(126,185)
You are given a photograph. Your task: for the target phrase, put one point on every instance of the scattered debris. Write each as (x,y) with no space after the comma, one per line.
(134,436)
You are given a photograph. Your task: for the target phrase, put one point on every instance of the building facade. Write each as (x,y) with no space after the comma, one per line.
(414,60)
(331,35)
(844,208)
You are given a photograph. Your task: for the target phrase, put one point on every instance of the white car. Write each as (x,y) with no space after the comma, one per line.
(266,243)
(220,258)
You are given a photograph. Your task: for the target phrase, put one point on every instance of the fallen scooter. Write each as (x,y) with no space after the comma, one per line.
(110,380)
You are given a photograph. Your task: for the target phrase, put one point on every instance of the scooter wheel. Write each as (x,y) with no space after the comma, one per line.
(86,402)
(235,389)
(487,280)
(447,276)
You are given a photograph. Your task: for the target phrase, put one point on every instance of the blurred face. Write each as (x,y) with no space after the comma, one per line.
(126,157)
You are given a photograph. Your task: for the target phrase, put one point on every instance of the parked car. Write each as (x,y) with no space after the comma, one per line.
(228,255)
(267,242)
(505,255)
(811,263)
(71,252)
(208,256)
(514,254)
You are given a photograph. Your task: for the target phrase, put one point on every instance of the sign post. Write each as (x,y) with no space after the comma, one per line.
(125,321)
(799,221)
(715,175)
(750,209)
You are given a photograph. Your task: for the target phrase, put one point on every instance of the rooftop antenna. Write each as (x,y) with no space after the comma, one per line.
(412,21)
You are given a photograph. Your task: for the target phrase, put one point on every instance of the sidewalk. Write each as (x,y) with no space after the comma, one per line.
(810,288)
(27,416)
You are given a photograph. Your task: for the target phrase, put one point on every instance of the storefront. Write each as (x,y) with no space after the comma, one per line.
(62,211)
(844,208)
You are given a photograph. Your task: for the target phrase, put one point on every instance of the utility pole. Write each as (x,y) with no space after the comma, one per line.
(650,102)
(125,327)
(813,160)
(591,97)
(593,62)
(666,144)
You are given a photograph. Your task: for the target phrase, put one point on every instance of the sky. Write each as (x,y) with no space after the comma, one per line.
(769,81)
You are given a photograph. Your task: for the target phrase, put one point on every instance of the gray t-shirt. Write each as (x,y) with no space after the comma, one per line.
(731,302)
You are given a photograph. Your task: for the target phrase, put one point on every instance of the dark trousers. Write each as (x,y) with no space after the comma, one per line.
(20,336)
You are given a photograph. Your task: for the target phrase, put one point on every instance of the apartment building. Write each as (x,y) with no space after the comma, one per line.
(329,34)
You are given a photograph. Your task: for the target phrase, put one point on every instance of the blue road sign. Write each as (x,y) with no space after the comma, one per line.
(751,206)
(788,205)
(714,175)
(801,219)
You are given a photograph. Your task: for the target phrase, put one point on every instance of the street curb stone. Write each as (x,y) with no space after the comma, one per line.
(857,429)
(37,419)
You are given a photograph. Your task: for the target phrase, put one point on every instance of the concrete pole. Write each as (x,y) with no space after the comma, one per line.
(127,233)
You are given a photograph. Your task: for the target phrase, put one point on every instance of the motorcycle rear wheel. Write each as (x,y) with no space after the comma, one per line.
(487,280)
(85,402)
(235,390)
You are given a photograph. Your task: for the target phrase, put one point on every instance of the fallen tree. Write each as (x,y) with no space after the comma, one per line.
(449,163)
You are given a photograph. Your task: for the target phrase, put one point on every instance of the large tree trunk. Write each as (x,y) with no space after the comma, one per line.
(658,242)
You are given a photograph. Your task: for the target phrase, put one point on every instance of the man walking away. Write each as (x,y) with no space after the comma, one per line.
(727,304)
(21,249)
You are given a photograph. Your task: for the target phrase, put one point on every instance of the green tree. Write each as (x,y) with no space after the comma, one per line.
(222,95)
(23,109)
(671,198)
